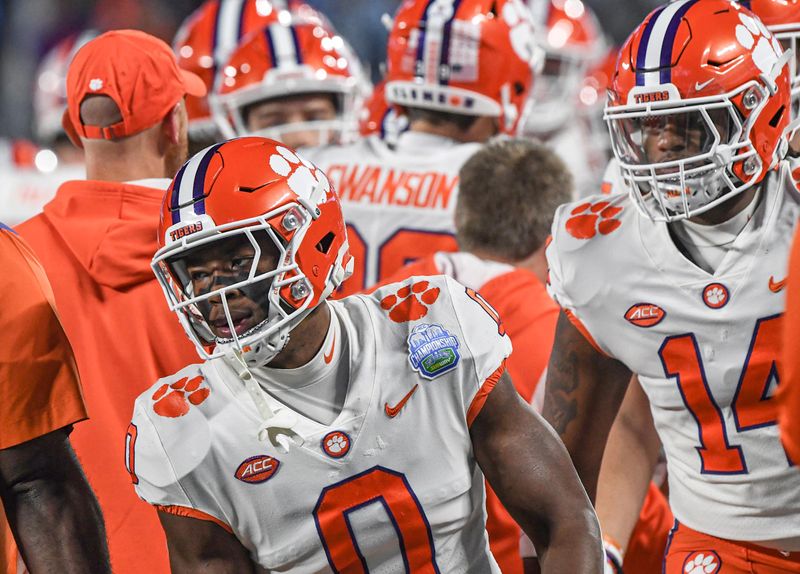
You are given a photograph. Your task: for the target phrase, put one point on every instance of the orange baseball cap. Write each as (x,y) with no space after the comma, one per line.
(136,70)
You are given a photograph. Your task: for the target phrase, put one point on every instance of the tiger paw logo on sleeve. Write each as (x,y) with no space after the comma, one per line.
(432,350)
(410,302)
(172,400)
(589,219)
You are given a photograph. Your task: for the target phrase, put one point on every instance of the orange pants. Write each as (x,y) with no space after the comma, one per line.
(692,552)
(645,552)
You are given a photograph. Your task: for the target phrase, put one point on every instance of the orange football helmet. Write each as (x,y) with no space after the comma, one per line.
(206,39)
(264,194)
(471,57)
(698,107)
(291,57)
(573,42)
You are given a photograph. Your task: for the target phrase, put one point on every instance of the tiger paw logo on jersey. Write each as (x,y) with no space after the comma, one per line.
(257,469)
(173,400)
(336,444)
(703,562)
(410,302)
(716,295)
(305,180)
(589,219)
(432,350)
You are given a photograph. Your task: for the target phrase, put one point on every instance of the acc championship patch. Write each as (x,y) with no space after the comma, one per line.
(432,350)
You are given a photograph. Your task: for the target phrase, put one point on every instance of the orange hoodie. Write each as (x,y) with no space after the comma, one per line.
(95,240)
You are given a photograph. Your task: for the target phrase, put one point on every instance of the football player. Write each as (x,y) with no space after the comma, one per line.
(692,302)
(294,81)
(501,255)
(208,37)
(346,435)
(461,73)
(782,18)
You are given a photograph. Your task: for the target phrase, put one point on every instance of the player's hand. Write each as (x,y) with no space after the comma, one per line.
(613,564)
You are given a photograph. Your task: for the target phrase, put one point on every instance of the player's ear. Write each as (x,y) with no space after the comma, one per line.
(172,124)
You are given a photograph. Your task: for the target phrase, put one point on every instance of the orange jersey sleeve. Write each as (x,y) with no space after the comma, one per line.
(789,389)
(38,376)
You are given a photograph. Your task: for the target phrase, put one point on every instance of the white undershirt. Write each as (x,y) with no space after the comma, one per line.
(154,182)
(316,390)
(707,245)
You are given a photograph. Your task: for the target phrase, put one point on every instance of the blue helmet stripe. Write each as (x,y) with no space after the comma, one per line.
(198,189)
(641,53)
(175,203)
(272,55)
(669,42)
(297,53)
(420,62)
(240,27)
(444,61)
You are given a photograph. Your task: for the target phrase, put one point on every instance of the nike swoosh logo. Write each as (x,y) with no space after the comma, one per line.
(699,86)
(391,412)
(776,286)
(328,357)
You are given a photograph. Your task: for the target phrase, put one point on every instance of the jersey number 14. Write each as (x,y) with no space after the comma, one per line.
(752,405)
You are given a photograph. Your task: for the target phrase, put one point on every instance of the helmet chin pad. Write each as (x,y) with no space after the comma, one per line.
(260,352)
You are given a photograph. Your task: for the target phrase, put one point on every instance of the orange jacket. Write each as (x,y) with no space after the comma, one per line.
(38,377)
(95,240)
(529,317)
(789,389)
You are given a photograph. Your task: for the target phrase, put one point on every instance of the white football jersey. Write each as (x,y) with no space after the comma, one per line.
(612,179)
(398,202)
(391,485)
(705,347)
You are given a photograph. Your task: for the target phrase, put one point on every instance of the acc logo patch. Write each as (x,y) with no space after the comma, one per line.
(336,444)
(432,350)
(645,315)
(702,562)
(257,469)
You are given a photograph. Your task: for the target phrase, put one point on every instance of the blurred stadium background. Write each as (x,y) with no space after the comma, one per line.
(28,28)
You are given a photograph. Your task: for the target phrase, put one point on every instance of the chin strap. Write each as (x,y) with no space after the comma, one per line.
(277,427)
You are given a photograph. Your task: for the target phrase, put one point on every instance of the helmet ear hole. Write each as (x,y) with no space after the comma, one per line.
(776,119)
(324,244)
